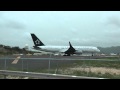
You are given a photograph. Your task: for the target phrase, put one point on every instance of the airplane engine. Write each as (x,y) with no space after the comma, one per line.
(78,52)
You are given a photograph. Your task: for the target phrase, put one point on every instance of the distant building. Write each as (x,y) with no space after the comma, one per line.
(102,54)
(113,54)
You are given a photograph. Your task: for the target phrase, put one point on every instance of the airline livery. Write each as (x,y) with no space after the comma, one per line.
(66,50)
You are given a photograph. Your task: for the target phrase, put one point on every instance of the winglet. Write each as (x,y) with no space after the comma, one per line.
(70,44)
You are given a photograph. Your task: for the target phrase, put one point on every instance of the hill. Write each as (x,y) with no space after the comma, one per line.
(108,50)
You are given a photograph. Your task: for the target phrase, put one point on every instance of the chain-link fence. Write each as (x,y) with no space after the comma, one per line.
(104,68)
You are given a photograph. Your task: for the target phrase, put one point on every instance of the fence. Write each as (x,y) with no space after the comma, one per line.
(102,68)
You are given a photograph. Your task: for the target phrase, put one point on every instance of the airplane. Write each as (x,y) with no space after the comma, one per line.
(66,50)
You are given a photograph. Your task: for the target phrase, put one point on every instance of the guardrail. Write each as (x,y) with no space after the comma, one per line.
(43,75)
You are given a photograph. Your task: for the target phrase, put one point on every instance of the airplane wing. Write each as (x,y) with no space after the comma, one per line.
(70,50)
(37,48)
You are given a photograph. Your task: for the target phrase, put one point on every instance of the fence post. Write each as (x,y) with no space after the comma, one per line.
(49,64)
(5,64)
(5,76)
(22,64)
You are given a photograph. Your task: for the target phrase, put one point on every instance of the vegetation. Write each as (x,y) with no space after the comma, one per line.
(7,50)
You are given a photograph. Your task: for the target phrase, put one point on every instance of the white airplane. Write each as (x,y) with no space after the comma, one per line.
(66,50)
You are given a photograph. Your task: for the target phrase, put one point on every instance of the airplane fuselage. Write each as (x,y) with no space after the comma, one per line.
(79,49)
(67,50)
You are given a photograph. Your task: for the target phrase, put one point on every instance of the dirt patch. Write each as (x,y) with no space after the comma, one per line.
(101,70)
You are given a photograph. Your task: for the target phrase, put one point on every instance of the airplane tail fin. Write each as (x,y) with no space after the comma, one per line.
(36,40)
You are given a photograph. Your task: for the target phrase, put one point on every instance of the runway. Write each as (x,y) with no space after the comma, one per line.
(48,57)
(52,59)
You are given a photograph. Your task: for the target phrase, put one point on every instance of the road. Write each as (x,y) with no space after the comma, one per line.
(43,75)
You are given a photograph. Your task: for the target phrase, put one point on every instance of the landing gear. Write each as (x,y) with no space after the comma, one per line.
(92,54)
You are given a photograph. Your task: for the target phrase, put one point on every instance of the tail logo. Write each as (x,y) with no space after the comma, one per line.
(37,41)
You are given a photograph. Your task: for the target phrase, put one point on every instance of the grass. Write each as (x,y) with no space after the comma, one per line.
(107,64)
(1,77)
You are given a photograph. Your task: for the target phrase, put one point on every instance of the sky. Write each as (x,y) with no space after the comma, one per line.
(81,28)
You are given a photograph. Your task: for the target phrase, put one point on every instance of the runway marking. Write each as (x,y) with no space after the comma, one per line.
(18,57)
(16,60)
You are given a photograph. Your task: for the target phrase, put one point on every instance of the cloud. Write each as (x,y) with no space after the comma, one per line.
(26,35)
(114,21)
(14,25)
(10,24)
(74,30)
(110,34)
(84,41)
